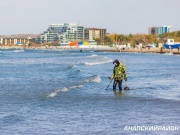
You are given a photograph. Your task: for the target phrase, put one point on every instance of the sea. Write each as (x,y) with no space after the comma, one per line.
(64,92)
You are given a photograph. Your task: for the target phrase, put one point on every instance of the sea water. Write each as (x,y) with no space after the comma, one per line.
(62,92)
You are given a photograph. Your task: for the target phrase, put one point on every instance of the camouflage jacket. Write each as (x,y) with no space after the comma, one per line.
(119,72)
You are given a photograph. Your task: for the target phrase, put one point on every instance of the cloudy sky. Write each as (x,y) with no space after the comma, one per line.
(117,16)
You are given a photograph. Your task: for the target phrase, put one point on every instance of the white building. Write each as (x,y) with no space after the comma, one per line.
(159,30)
(14,41)
(163,29)
(66,31)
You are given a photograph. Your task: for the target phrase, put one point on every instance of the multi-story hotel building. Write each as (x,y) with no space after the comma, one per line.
(66,31)
(93,33)
(1,40)
(159,30)
(163,29)
(14,41)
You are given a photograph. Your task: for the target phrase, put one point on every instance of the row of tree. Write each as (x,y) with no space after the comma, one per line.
(135,39)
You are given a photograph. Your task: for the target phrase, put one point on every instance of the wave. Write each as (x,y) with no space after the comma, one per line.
(7,115)
(93,55)
(71,67)
(18,51)
(98,62)
(175,98)
(94,78)
(32,61)
(168,53)
(53,94)
(11,118)
(11,50)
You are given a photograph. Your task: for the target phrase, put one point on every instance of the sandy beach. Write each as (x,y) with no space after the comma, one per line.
(95,48)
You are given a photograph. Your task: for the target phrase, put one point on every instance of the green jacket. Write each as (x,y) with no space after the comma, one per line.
(119,73)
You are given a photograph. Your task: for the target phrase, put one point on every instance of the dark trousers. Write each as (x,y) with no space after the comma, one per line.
(119,82)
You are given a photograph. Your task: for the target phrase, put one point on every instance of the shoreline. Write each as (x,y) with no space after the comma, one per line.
(97,49)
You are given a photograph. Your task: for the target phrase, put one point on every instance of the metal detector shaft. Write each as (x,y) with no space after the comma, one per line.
(109,84)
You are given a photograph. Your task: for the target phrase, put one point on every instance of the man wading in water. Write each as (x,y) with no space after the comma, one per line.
(119,73)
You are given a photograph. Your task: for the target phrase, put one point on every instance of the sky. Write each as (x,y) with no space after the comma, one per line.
(117,16)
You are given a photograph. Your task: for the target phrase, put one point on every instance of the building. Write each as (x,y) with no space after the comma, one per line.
(159,30)
(93,33)
(153,30)
(1,40)
(163,29)
(66,31)
(14,41)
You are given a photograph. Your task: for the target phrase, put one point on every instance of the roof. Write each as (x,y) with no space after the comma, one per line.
(19,36)
(94,29)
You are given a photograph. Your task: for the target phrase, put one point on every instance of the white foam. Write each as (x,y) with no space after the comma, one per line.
(95,78)
(97,60)
(18,50)
(54,93)
(30,61)
(74,66)
(93,55)
(97,63)
(73,87)
(169,53)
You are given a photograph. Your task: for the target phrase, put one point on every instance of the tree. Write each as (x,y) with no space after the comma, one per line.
(178,34)
(56,43)
(108,40)
(31,43)
(99,41)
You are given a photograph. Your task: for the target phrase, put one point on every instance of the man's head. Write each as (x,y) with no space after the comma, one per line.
(116,63)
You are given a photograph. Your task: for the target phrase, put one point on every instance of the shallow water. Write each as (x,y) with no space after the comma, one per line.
(63,92)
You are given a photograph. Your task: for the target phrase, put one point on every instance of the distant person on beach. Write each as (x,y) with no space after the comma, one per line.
(119,73)
(170,47)
(161,49)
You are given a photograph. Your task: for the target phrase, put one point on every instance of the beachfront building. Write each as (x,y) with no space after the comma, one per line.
(159,30)
(66,31)
(1,40)
(153,30)
(14,41)
(94,33)
(163,29)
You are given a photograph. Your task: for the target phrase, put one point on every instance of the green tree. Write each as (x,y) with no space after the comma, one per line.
(108,40)
(99,41)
